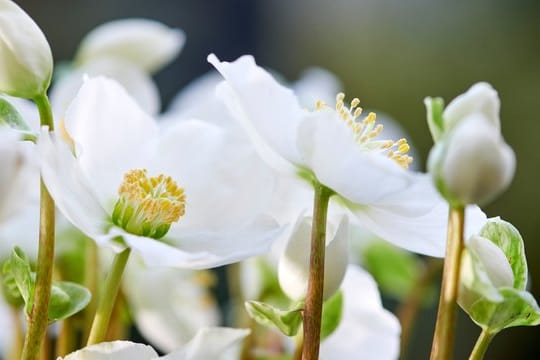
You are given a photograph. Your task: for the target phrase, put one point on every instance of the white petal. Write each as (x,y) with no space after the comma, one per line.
(269,112)
(293,269)
(226,184)
(111,133)
(145,43)
(136,82)
(69,186)
(493,260)
(115,350)
(339,162)
(367,330)
(209,343)
(480,98)
(169,305)
(477,164)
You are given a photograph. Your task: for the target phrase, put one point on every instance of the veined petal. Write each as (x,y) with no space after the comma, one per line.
(115,350)
(226,184)
(69,186)
(480,98)
(136,82)
(210,343)
(363,177)
(145,43)
(111,134)
(367,330)
(269,112)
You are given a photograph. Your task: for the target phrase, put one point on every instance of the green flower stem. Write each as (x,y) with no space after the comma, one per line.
(38,318)
(443,340)
(481,345)
(107,299)
(91,283)
(314,297)
(299,344)
(408,310)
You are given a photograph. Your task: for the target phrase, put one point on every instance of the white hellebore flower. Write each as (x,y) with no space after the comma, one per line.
(148,44)
(182,198)
(470,162)
(208,343)
(328,146)
(26,61)
(366,331)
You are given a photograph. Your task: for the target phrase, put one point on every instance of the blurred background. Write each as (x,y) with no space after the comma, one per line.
(390,54)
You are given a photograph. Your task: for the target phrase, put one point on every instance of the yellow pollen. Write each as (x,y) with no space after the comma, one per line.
(366,131)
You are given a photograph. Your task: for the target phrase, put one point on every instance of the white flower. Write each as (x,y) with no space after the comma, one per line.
(331,147)
(106,179)
(366,331)
(293,268)
(169,305)
(145,43)
(470,162)
(26,63)
(209,343)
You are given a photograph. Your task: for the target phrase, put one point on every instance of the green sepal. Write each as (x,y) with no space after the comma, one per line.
(331,314)
(518,308)
(11,117)
(19,268)
(509,240)
(435,108)
(287,321)
(67,299)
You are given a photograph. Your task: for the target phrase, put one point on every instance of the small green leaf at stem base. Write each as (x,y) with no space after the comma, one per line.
(287,321)
(331,314)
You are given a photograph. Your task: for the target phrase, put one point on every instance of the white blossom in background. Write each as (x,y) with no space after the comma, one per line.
(366,331)
(26,63)
(127,50)
(470,162)
(108,165)
(208,343)
(169,305)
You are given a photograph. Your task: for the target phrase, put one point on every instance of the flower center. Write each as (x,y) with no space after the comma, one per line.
(366,131)
(148,206)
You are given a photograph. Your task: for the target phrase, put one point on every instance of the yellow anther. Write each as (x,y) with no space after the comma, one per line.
(339,97)
(355,102)
(319,104)
(357,112)
(403,148)
(148,205)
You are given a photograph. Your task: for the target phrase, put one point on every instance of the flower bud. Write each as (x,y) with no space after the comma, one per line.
(26,63)
(293,268)
(471,163)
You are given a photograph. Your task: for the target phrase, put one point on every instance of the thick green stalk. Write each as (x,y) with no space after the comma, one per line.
(107,299)
(479,350)
(38,319)
(443,340)
(314,297)
(91,283)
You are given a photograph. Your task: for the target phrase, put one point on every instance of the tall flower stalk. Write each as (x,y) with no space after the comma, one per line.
(38,320)
(314,297)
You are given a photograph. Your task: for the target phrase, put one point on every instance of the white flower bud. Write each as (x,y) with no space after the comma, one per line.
(26,63)
(293,268)
(471,163)
(148,44)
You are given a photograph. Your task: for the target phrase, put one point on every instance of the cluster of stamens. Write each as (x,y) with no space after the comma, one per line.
(366,131)
(148,205)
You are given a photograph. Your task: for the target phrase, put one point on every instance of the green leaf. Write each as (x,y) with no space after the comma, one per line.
(435,107)
(519,308)
(394,270)
(287,321)
(331,314)
(67,298)
(509,240)
(10,290)
(11,117)
(19,267)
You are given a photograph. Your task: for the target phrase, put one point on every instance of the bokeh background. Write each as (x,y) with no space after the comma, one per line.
(391,54)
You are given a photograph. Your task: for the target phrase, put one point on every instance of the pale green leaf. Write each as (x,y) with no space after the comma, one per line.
(435,107)
(287,321)
(67,298)
(331,314)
